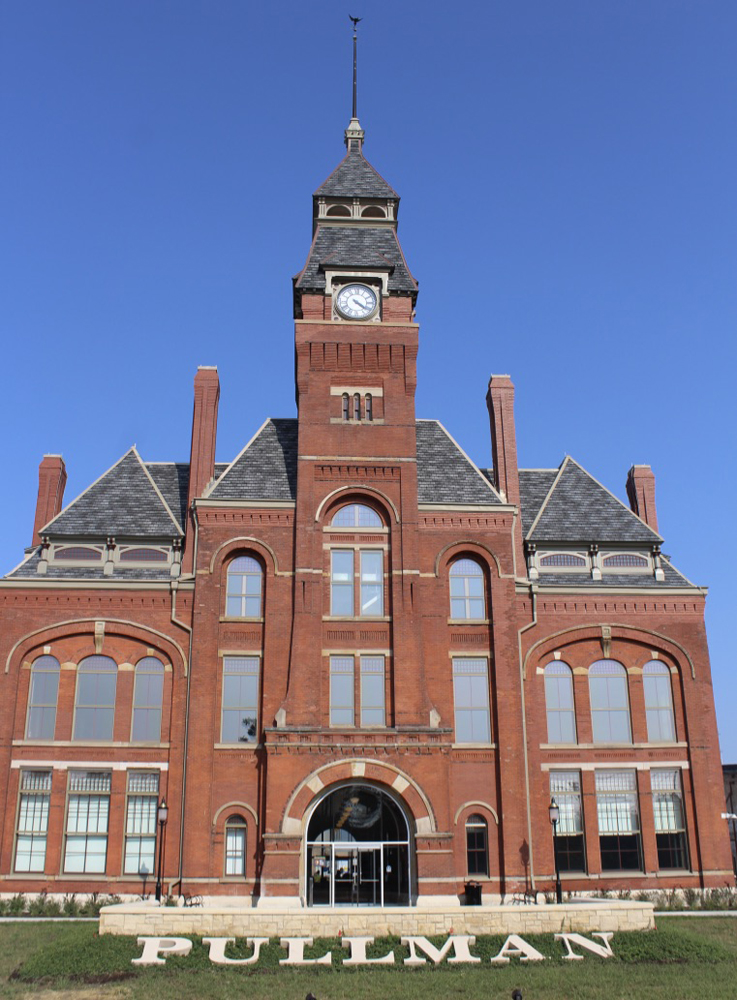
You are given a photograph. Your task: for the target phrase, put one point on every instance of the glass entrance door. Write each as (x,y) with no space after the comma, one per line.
(357,879)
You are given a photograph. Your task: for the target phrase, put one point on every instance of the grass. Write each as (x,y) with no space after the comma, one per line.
(683,959)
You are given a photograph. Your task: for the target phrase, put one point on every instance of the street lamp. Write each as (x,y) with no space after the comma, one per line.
(554,813)
(163,813)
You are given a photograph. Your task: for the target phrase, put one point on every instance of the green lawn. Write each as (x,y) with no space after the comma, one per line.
(685,959)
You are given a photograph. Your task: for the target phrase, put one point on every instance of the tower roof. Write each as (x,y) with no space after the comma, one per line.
(354,177)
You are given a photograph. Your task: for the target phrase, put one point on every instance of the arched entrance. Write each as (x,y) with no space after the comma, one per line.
(358,842)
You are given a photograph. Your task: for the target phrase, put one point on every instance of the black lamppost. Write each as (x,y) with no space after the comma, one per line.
(554,813)
(163,813)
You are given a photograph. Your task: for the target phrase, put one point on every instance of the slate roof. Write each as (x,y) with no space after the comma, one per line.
(444,473)
(266,469)
(357,247)
(354,177)
(123,501)
(172,478)
(534,486)
(578,509)
(626,580)
(56,571)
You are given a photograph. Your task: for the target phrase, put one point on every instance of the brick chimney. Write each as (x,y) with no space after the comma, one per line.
(202,454)
(641,494)
(52,478)
(500,401)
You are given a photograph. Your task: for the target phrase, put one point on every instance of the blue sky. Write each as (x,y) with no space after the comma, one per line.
(568,206)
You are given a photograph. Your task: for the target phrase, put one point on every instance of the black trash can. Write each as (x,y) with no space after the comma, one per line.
(473,893)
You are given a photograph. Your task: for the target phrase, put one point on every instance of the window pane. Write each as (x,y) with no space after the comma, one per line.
(658,703)
(471,697)
(467,590)
(240,699)
(341,590)
(341,691)
(372,691)
(610,715)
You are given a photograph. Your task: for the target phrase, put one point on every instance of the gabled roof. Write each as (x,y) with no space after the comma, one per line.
(266,469)
(445,474)
(357,247)
(534,486)
(354,177)
(172,478)
(124,501)
(579,509)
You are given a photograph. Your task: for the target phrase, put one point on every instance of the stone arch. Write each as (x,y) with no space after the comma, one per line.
(470,546)
(97,628)
(623,633)
(264,550)
(400,784)
(358,490)
(234,806)
(477,804)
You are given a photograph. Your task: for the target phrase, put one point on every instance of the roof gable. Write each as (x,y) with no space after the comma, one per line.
(354,177)
(124,501)
(445,474)
(266,469)
(534,486)
(579,509)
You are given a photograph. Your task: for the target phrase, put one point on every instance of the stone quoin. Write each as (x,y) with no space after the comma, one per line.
(356,664)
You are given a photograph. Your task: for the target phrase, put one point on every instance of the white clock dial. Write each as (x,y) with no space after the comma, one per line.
(356,301)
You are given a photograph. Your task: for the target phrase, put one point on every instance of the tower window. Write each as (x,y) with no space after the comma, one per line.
(346,407)
(356,406)
(369,406)
(339,210)
(373,212)
(356,515)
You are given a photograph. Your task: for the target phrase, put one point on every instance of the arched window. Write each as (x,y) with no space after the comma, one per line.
(245,583)
(373,212)
(356,406)
(356,515)
(610,707)
(477,845)
(94,714)
(661,727)
(369,406)
(346,406)
(41,720)
(559,703)
(339,210)
(147,697)
(467,590)
(235,846)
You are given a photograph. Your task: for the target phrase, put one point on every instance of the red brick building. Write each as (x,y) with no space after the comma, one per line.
(356,665)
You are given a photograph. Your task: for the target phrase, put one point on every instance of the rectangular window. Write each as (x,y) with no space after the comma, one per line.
(471,698)
(565,788)
(477,846)
(140,823)
(341,691)
(670,822)
(33,821)
(372,583)
(619,821)
(88,811)
(148,694)
(341,583)
(373,711)
(240,699)
(235,847)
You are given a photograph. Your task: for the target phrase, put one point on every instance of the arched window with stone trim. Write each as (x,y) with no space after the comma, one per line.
(235,846)
(656,682)
(467,601)
(244,588)
(42,697)
(477,845)
(559,704)
(94,710)
(610,705)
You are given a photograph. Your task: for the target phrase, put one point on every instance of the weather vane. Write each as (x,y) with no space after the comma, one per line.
(355,21)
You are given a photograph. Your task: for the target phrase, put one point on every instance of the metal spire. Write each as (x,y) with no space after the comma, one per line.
(354,133)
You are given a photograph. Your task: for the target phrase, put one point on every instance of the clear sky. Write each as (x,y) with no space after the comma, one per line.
(567,173)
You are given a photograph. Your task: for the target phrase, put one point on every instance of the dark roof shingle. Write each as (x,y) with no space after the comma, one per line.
(266,469)
(354,177)
(444,473)
(372,248)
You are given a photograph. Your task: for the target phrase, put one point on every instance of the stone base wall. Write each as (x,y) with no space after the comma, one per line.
(146,920)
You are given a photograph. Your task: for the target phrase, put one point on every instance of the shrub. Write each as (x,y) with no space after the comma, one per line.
(70,906)
(17,905)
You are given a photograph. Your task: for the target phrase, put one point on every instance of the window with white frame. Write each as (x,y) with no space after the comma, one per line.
(670,819)
(42,697)
(370,591)
(140,823)
(94,712)
(235,846)
(565,788)
(356,515)
(477,845)
(467,590)
(610,705)
(559,703)
(244,588)
(148,693)
(471,700)
(656,682)
(88,812)
(240,699)
(33,821)
(620,843)
(371,694)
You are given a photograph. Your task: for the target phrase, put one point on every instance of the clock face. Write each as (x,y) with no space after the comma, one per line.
(356,301)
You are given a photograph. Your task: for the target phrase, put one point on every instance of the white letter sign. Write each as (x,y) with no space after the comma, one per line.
(217,950)
(517,947)
(603,951)
(458,942)
(166,945)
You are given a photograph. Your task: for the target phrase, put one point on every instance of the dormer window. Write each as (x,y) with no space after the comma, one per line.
(77,553)
(625,560)
(341,211)
(373,212)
